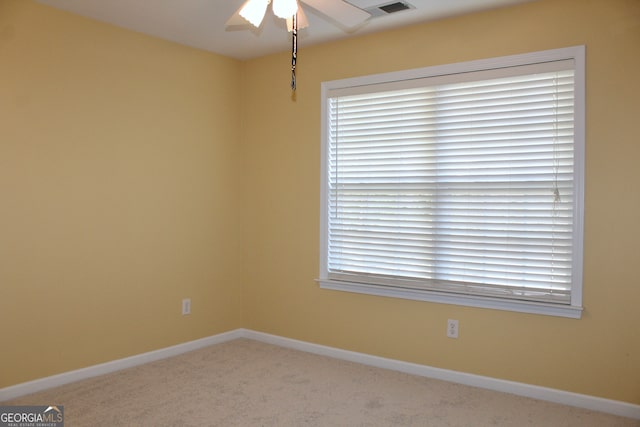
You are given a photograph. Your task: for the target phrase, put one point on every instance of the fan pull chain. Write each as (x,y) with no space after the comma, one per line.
(294,52)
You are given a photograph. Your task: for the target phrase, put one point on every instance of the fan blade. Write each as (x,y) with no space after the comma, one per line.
(342,12)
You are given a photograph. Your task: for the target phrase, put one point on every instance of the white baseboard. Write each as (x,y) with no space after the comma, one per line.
(614,407)
(609,406)
(34,386)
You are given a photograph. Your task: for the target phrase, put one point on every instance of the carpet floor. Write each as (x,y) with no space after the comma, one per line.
(249,383)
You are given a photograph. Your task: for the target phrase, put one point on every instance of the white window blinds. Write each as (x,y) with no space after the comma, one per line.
(459,183)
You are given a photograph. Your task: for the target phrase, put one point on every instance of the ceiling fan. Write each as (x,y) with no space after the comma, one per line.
(343,13)
(253,12)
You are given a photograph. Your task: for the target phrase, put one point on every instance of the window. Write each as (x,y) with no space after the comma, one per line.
(459,184)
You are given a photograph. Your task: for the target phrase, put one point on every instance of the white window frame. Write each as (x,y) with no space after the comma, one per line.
(572,310)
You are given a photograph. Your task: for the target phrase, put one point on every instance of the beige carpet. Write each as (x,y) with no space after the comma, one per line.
(248,383)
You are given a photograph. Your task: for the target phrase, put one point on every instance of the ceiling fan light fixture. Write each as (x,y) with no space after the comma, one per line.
(285,8)
(254,11)
(301,20)
(342,11)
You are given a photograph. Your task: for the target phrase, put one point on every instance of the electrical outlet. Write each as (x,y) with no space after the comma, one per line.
(452,328)
(186,306)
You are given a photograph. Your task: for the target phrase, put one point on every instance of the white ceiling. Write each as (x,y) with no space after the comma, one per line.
(201,23)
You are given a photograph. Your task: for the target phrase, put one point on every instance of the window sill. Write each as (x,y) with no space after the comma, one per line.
(569,311)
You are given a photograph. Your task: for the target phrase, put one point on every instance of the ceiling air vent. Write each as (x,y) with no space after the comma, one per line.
(394,7)
(377,9)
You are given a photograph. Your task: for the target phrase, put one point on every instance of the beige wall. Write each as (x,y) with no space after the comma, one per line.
(135,172)
(119,192)
(597,355)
